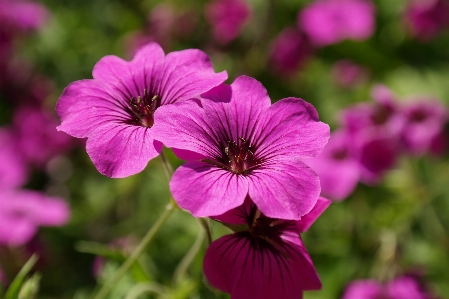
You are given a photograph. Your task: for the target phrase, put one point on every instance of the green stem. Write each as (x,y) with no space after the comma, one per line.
(106,288)
(205,223)
(168,169)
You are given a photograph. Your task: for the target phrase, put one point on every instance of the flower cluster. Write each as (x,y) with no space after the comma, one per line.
(374,135)
(243,154)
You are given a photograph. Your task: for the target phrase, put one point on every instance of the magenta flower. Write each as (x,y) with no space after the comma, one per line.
(424,124)
(328,22)
(348,74)
(227,18)
(115,110)
(265,258)
(289,51)
(37,137)
(401,288)
(21,212)
(21,14)
(13,169)
(238,144)
(427,18)
(337,166)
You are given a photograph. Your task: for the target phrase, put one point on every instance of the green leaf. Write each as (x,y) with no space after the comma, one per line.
(16,285)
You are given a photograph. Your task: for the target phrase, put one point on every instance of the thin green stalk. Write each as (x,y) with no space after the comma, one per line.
(168,169)
(106,288)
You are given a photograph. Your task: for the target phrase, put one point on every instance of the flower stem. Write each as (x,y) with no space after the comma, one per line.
(106,288)
(168,169)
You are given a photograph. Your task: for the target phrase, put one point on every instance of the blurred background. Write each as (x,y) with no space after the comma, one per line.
(330,53)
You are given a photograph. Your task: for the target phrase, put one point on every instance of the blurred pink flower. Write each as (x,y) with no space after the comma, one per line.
(349,74)
(328,22)
(424,124)
(289,51)
(13,168)
(227,18)
(38,139)
(400,288)
(21,212)
(337,166)
(22,14)
(426,18)
(265,258)
(115,110)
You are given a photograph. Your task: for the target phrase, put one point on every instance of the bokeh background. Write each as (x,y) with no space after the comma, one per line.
(398,226)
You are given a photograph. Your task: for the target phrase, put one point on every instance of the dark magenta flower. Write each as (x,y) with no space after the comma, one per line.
(13,168)
(404,287)
(426,18)
(115,110)
(265,258)
(328,22)
(238,144)
(337,166)
(227,18)
(424,124)
(289,51)
(21,212)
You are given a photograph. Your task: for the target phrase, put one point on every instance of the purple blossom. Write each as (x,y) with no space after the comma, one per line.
(404,287)
(348,74)
(13,169)
(328,22)
(337,166)
(37,137)
(21,212)
(289,51)
(426,18)
(115,110)
(265,258)
(238,144)
(424,124)
(21,14)
(227,18)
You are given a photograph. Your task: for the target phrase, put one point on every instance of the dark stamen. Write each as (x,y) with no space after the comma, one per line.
(142,109)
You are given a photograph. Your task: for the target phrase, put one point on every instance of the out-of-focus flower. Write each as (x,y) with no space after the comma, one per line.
(424,124)
(37,136)
(348,74)
(426,18)
(13,169)
(115,110)
(21,14)
(21,212)
(375,129)
(404,287)
(337,166)
(227,18)
(265,258)
(289,51)
(328,22)
(238,144)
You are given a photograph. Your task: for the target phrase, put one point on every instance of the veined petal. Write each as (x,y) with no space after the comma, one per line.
(253,268)
(119,150)
(290,128)
(187,74)
(284,189)
(308,219)
(239,215)
(234,111)
(206,190)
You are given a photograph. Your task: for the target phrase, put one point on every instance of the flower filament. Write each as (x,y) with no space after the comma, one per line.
(142,109)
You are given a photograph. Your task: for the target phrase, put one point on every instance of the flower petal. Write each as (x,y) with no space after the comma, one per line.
(253,268)
(284,189)
(369,289)
(206,190)
(122,150)
(308,219)
(290,128)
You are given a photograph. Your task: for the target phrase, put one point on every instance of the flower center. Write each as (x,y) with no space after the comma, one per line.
(381,115)
(263,228)
(142,108)
(418,116)
(238,156)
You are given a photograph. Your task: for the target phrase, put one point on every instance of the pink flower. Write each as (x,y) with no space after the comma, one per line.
(289,51)
(227,18)
(337,166)
(401,288)
(115,110)
(238,144)
(348,74)
(37,137)
(328,22)
(21,212)
(426,18)
(22,14)
(265,258)
(424,124)
(13,169)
